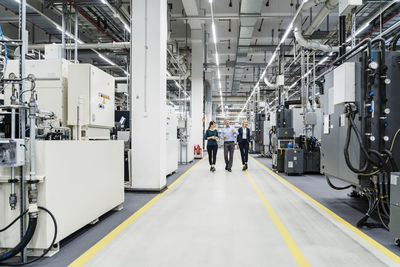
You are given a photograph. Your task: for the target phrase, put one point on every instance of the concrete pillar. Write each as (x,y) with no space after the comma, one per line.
(196,99)
(148,105)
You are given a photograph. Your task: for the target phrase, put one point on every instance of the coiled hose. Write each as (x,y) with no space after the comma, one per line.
(24,241)
(44,252)
(346,148)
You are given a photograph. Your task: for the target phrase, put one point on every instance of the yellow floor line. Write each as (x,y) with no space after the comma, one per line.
(364,236)
(294,249)
(85,257)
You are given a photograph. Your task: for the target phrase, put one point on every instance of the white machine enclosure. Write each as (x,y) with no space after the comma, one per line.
(51,85)
(297,121)
(91,101)
(267,128)
(172,141)
(185,146)
(79,182)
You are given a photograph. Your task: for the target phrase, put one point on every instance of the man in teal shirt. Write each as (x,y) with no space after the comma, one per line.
(228,134)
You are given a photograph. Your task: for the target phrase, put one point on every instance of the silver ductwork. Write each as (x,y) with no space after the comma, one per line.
(312,44)
(322,14)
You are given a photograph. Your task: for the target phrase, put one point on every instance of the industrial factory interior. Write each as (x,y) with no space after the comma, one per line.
(199,133)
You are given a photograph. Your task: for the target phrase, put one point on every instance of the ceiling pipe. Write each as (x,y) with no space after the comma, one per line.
(232,17)
(98,46)
(312,44)
(320,17)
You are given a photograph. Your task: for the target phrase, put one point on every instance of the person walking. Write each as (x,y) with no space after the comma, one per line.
(244,144)
(228,134)
(212,146)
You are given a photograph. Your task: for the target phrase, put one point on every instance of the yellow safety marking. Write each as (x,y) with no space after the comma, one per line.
(90,253)
(364,236)
(294,249)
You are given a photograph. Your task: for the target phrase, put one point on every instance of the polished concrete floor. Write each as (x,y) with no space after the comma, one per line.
(235,219)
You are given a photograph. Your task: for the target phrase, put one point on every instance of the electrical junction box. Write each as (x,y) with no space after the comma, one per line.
(345,6)
(181,124)
(344,83)
(91,101)
(52,51)
(122,88)
(273,118)
(12,152)
(280,80)
(311,118)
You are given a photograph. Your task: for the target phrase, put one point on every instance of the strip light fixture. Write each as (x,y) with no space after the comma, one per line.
(116,15)
(214,34)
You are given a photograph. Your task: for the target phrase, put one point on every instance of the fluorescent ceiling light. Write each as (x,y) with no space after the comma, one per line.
(272,59)
(323,60)
(361,29)
(214,32)
(287,33)
(107,60)
(127,28)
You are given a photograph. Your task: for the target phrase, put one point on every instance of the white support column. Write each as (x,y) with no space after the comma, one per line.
(148,105)
(196,99)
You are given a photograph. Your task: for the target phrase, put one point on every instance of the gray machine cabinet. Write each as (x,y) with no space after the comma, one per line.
(394,224)
(294,161)
(284,133)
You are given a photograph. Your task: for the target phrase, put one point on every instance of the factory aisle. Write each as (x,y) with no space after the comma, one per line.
(234,219)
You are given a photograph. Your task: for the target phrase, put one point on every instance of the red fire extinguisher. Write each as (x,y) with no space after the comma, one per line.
(197,150)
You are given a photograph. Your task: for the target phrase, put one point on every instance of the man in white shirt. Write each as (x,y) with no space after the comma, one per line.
(228,134)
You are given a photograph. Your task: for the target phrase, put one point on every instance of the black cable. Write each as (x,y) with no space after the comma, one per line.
(360,141)
(395,168)
(14,221)
(346,152)
(393,43)
(24,241)
(46,250)
(336,187)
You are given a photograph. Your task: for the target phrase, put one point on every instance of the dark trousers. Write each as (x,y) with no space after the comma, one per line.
(244,151)
(229,148)
(212,154)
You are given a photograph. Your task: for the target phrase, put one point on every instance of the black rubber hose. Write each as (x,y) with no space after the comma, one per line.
(380,158)
(14,221)
(382,196)
(366,41)
(347,157)
(395,168)
(46,250)
(381,219)
(393,43)
(360,141)
(334,186)
(270,139)
(23,243)
(383,48)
